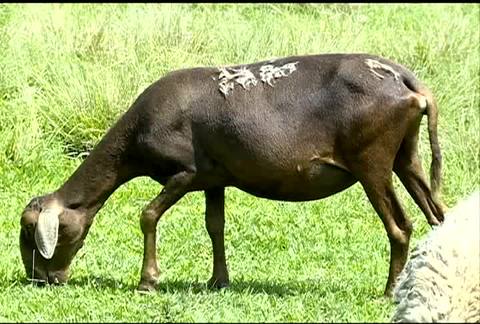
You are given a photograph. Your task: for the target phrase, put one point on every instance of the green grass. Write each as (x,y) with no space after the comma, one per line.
(68,71)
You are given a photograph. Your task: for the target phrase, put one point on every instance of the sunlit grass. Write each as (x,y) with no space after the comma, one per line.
(68,71)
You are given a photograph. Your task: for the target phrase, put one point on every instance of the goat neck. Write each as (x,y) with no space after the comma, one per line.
(101,173)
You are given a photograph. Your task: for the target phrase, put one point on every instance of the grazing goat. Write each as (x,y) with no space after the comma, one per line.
(295,129)
(441,281)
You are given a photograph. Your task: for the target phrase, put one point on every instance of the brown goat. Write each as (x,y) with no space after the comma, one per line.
(295,129)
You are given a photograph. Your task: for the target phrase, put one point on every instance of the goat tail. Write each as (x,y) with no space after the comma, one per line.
(431,111)
(436,164)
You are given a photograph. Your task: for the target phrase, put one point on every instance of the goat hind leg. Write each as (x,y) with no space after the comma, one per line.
(174,189)
(381,194)
(409,169)
(215,223)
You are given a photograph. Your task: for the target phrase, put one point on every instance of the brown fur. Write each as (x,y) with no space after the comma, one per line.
(316,131)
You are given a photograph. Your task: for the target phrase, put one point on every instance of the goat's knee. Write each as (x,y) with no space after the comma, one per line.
(399,243)
(407,228)
(400,235)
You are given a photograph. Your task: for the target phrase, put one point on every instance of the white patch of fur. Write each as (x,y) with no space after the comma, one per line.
(243,76)
(374,64)
(229,76)
(269,72)
(441,281)
(422,102)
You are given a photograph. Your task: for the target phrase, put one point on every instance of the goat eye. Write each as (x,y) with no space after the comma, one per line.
(28,232)
(29,229)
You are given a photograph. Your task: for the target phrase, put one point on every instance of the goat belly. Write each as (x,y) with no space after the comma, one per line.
(313,182)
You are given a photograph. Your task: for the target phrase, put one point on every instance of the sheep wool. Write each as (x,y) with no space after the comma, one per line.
(441,281)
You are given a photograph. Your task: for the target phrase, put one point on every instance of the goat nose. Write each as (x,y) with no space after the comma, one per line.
(52,278)
(56,278)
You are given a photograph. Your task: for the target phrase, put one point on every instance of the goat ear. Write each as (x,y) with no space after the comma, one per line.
(46,231)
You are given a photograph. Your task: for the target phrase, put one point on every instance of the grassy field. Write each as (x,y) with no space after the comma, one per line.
(68,71)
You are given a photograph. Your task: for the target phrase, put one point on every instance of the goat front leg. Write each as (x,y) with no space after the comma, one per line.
(215,223)
(175,188)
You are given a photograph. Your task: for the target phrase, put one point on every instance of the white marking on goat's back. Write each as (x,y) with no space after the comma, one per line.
(374,64)
(229,76)
(269,72)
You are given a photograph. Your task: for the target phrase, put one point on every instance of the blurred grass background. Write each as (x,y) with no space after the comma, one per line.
(68,71)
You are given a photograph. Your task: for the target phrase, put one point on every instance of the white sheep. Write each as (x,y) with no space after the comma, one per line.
(441,281)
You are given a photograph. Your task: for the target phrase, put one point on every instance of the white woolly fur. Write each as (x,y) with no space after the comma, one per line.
(441,281)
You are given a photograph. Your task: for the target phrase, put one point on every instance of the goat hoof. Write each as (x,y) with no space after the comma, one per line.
(218,284)
(388,294)
(146,287)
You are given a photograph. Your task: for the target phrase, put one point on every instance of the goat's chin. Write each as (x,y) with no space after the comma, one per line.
(41,276)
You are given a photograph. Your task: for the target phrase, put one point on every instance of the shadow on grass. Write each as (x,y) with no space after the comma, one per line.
(86,281)
(170,286)
(241,286)
(237,286)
